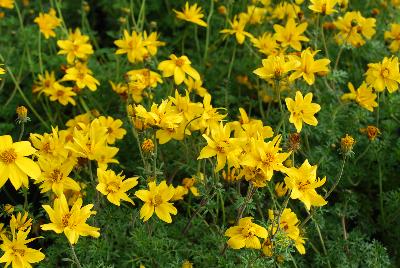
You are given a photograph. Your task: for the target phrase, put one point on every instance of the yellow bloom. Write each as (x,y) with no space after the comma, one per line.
(384,74)
(44,83)
(309,67)
(55,176)
(347,144)
(291,34)
(302,182)
(372,132)
(280,189)
(61,94)
(157,200)
(285,10)
(132,45)
(2,71)
(192,14)
(7,4)
(14,163)
(115,186)
(196,86)
(76,46)
(266,44)
(178,67)
(237,29)
(82,76)
(394,36)
(325,7)
(71,222)
(246,234)
(364,96)
(275,67)
(17,253)
(180,191)
(189,183)
(302,110)
(151,42)
(21,222)
(50,146)
(114,128)
(47,22)
(254,15)
(221,145)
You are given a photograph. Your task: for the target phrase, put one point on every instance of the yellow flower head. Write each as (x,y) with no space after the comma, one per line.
(189,183)
(394,37)
(14,163)
(302,182)
(71,222)
(266,44)
(347,144)
(115,186)
(325,7)
(291,34)
(178,67)
(280,189)
(47,22)
(157,200)
(254,15)
(276,67)
(133,45)
(60,93)
(309,67)
(7,4)
(246,234)
(75,47)
(17,253)
(44,83)
(192,14)
(237,29)
(372,132)
(82,76)
(302,110)
(21,222)
(364,96)
(114,128)
(384,74)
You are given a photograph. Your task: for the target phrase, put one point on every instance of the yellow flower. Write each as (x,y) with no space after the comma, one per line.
(309,67)
(364,96)
(82,76)
(291,34)
(7,4)
(237,29)
(45,83)
(189,183)
(132,45)
(372,132)
(264,158)
(280,189)
(8,208)
(47,22)
(2,71)
(285,9)
(151,42)
(254,15)
(288,222)
(347,144)
(187,264)
(394,36)
(114,128)
(325,7)
(21,222)
(180,191)
(50,146)
(384,74)
(14,163)
(302,182)
(71,222)
(76,46)
(221,145)
(61,94)
(192,14)
(156,200)
(55,176)
(178,67)
(246,234)
(17,253)
(302,110)
(115,186)
(275,67)
(196,85)
(266,44)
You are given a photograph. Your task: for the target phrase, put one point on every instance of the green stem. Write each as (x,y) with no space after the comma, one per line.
(229,74)
(76,260)
(22,131)
(40,52)
(208,31)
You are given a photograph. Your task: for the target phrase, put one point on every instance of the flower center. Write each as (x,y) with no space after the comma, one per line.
(113,187)
(65,219)
(385,72)
(56,175)
(8,156)
(269,159)
(157,200)
(179,62)
(60,93)
(21,252)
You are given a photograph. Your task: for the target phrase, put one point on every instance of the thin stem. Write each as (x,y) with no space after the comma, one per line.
(322,242)
(40,52)
(155,157)
(229,74)
(341,50)
(76,260)
(323,38)
(22,131)
(208,31)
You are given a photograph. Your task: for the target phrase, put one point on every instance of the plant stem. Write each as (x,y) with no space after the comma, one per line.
(76,260)
(22,131)
(208,31)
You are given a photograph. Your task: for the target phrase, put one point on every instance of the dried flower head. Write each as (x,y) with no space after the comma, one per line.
(347,144)
(22,114)
(147,146)
(372,132)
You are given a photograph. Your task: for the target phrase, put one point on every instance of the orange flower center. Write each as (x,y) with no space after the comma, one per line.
(8,156)
(56,175)
(65,219)
(385,72)
(269,159)
(113,187)
(18,251)
(180,62)
(60,93)
(157,200)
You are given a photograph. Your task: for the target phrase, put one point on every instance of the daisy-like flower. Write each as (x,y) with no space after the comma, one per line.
(133,45)
(246,234)
(115,186)
(394,37)
(157,200)
(71,222)
(60,93)
(178,67)
(114,128)
(7,4)
(325,7)
(17,253)
(291,34)
(237,29)
(309,67)
(2,71)
(192,14)
(266,44)
(14,163)
(364,96)
(302,182)
(76,46)
(82,76)
(276,67)
(384,74)
(302,110)
(47,22)
(44,83)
